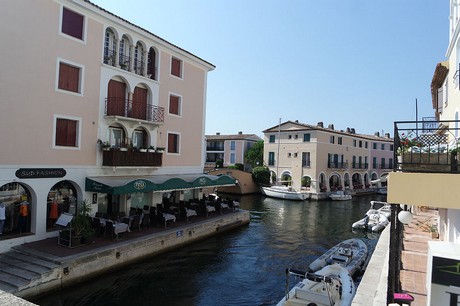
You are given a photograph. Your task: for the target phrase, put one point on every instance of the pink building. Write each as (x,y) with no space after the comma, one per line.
(84,95)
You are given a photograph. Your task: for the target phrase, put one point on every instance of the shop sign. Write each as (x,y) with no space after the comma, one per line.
(31,173)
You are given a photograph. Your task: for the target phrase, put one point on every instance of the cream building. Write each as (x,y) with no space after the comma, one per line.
(323,159)
(435,180)
(84,94)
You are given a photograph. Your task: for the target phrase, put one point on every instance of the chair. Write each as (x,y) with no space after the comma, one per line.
(136,222)
(98,215)
(108,228)
(96,225)
(146,221)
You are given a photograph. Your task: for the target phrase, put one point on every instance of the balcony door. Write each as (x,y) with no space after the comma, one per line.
(116,96)
(139,108)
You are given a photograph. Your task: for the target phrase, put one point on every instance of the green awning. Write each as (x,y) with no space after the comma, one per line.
(160,183)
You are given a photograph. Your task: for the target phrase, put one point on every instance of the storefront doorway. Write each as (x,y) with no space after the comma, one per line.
(61,198)
(15,210)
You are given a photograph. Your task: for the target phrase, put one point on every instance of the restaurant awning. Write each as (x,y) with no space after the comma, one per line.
(159,183)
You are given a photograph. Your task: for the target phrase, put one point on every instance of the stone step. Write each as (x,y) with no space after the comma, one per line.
(29,258)
(13,280)
(7,287)
(24,265)
(19,271)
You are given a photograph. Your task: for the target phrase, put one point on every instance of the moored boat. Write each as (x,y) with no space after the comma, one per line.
(332,285)
(374,221)
(340,196)
(285,192)
(351,254)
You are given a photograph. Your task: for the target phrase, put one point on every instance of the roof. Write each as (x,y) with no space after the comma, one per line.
(253,137)
(149,33)
(309,127)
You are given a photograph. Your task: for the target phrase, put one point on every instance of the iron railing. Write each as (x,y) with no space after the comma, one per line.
(426,146)
(136,110)
(130,158)
(109,57)
(124,61)
(337,165)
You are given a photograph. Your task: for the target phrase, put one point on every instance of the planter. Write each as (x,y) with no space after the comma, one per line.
(143,150)
(434,235)
(123,149)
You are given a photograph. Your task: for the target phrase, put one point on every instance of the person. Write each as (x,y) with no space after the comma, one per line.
(23,214)
(2,217)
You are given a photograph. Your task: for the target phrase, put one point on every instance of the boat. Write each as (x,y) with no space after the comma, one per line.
(332,285)
(340,196)
(374,220)
(385,208)
(285,192)
(351,254)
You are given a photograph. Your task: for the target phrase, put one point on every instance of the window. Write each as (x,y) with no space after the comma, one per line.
(360,143)
(232,158)
(66,132)
(391,147)
(295,155)
(69,78)
(296,136)
(382,163)
(339,140)
(374,145)
(354,142)
(374,162)
(289,136)
(305,159)
(72,23)
(176,67)
(174,105)
(366,144)
(289,155)
(332,139)
(140,139)
(116,137)
(232,145)
(109,48)
(173,143)
(271,158)
(272,139)
(306,137)
(383,146)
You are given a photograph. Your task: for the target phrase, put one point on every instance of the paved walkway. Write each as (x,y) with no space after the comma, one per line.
(414,255)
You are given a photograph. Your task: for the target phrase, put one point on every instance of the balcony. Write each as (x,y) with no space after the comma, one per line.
(117,158)
(337,165)
(426,146)
(135,110)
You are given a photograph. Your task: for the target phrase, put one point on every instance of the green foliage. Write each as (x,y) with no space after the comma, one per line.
(306,181)
(261,175)
(255,155)
(81,224)
(219,163)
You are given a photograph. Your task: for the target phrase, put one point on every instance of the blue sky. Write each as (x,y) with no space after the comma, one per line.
(352,63)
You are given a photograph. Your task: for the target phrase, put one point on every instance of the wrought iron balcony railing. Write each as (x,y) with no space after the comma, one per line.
(109,57)
(337,165)
(136,110)
(426,146)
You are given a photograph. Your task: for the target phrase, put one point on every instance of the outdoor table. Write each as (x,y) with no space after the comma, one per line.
(209,209)
(190,213)
(119,228)
(168,217)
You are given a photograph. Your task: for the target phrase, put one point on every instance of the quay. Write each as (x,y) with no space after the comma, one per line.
(39,267)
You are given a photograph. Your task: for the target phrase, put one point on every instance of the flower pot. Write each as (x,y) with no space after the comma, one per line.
(142,150)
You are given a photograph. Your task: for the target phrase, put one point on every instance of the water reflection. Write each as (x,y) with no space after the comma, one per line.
(243,267)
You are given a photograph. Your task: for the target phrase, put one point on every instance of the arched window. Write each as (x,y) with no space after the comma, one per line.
(139,59)
(152,64)
(110,44)
(125,56)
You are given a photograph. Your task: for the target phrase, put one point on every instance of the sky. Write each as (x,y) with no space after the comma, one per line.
(361,64)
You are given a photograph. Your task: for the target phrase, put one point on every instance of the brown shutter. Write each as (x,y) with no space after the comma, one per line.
(175,67)
(174,105)
(72,24)
(66,132)
(116,92)
(69,77)
(173,143)
(140,103)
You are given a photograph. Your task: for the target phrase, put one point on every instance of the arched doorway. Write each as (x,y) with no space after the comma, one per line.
(15,210)
(61,199)
(306,182)
(286,179)
(346,180)
(357,182)
(322,183)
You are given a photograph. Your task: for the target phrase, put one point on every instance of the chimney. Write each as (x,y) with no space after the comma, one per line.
(352,130)
(377,134)
(320,124)
(217,133)
(297,121)
(240,133)
(330,126)
(387,135)
(348,130)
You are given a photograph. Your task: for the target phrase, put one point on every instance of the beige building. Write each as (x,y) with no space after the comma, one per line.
(230,149)
(85,94)
(323,159)
(430,176)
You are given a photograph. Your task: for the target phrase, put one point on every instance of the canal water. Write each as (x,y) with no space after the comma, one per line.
(242,267)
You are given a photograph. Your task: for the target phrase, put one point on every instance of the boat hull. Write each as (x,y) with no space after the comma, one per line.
(284,193)
(351,254)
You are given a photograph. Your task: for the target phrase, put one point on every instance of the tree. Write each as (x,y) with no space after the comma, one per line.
(255,155)
(261,175)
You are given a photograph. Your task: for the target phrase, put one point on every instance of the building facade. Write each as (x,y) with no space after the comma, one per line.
(321,159)
(230,149)
(85,95)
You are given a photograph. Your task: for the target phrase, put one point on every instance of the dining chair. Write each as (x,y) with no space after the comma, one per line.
(109,228)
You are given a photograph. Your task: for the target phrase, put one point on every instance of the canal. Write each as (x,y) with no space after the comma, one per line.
(242,267)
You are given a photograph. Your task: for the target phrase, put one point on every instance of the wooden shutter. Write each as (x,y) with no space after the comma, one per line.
(173,143)
(72,23)
(116,98)
(140,103)
(66,132)
(175,67)
(174,105)
(69,77)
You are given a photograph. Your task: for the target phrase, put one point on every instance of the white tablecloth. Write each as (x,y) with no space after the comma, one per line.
(210,208)
(120,228)
(191,212)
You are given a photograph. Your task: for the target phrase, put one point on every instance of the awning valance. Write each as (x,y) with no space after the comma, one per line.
(160,183)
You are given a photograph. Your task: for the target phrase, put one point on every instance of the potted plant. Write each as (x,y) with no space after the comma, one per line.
(81,224)
(143,149)
(434,232)
(159,149)
(104,145)
(151,149)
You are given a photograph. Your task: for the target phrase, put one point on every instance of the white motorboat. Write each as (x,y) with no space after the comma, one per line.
(285,192)
(340,196)
(385,208)
(332,285)
(351,254)
(374,221)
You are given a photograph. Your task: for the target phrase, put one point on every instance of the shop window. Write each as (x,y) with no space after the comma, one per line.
(175,105)
(176,67)
(66,132)
(173,143)
(72,23)
(69,77)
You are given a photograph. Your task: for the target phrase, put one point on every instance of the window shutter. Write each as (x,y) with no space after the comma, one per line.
(174,105)
(175,67)
(72,24)
(69,77)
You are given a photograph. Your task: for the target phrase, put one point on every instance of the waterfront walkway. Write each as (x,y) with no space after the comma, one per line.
(414,254)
